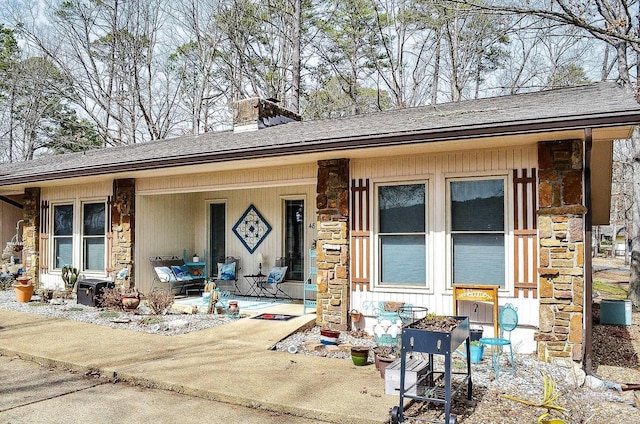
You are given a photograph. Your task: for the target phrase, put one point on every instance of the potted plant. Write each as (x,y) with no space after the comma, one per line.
(130,299)
(476,350)
(70,276)
(383,356)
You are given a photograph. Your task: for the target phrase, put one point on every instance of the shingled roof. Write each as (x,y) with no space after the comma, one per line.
(597,105)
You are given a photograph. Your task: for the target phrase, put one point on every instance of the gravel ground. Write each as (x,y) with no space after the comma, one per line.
(140,320)
(616,352)
(583,405)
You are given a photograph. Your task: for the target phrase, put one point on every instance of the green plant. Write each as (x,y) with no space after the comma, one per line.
(475,343)
(150,320)
(70,276)
(109,314)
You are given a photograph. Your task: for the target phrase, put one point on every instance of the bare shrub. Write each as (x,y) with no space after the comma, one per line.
(159,301)
(112,298)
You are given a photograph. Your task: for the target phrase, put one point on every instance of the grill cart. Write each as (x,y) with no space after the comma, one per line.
(441,336)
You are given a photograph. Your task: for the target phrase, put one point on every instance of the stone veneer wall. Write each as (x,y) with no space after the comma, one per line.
(332,247)
(31,232)
(561,237)
(123,228)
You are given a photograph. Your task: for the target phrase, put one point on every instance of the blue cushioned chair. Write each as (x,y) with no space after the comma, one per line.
(508,320)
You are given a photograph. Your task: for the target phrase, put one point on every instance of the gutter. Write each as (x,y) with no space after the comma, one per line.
(338,144)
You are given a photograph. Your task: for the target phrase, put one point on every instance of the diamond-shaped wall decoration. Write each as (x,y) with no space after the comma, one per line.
(251,229)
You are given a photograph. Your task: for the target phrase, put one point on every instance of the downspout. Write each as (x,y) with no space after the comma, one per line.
(588,263)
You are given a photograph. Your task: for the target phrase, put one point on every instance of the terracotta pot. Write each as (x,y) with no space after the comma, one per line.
(356,315)
(383,363)
(23,292)
(130,302)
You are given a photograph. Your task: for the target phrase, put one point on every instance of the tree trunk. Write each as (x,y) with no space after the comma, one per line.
(634,280)
(295,78)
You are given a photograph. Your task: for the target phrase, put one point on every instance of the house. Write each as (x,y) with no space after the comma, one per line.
(400,205)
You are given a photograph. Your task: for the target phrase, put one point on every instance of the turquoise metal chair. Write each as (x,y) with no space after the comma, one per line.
(310,286)
(508,321)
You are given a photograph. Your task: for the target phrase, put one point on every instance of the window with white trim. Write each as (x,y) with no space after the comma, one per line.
(62,235)
(79,235)
(93,236)
(401,235)
(478,230)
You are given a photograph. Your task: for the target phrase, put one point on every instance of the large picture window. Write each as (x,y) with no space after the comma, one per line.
(477,217)
(402,235)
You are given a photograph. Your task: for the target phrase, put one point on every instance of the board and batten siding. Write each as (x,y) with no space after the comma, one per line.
(169,222)
(97,191)
(436,168)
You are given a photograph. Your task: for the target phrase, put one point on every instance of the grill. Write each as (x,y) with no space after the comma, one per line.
(433,342)
(90,291)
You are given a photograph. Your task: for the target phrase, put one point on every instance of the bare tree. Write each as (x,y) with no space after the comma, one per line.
(109,50)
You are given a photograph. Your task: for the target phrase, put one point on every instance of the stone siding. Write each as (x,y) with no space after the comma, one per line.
(123,229)
(561,239)
(332,228)
(31,233)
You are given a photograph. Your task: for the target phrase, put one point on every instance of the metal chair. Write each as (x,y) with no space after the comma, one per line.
(508,321)
(310,286)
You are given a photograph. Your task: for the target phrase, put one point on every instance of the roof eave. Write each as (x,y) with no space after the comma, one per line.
(628,118)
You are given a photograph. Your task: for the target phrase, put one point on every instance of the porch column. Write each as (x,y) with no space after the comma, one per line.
(31,232)
(561,239)
(123,229)
(332,228)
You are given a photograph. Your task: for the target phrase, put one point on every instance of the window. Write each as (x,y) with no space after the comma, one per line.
(93,236)
(85,223)
(62,235)
(477,219)
(401,237)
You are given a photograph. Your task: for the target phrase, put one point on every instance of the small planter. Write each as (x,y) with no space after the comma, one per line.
(23,289)
(476,351)
(130,302)
(233,307)
(356,315)
(359,355)
(383,363)
(329,337)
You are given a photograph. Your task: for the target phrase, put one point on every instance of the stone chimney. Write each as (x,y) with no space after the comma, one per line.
(255,113)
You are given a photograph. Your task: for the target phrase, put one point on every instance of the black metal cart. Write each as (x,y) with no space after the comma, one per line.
(416,339)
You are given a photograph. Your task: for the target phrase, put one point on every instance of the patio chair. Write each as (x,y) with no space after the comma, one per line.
(228,271)
(508,321)
(310,286)
(271,285)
